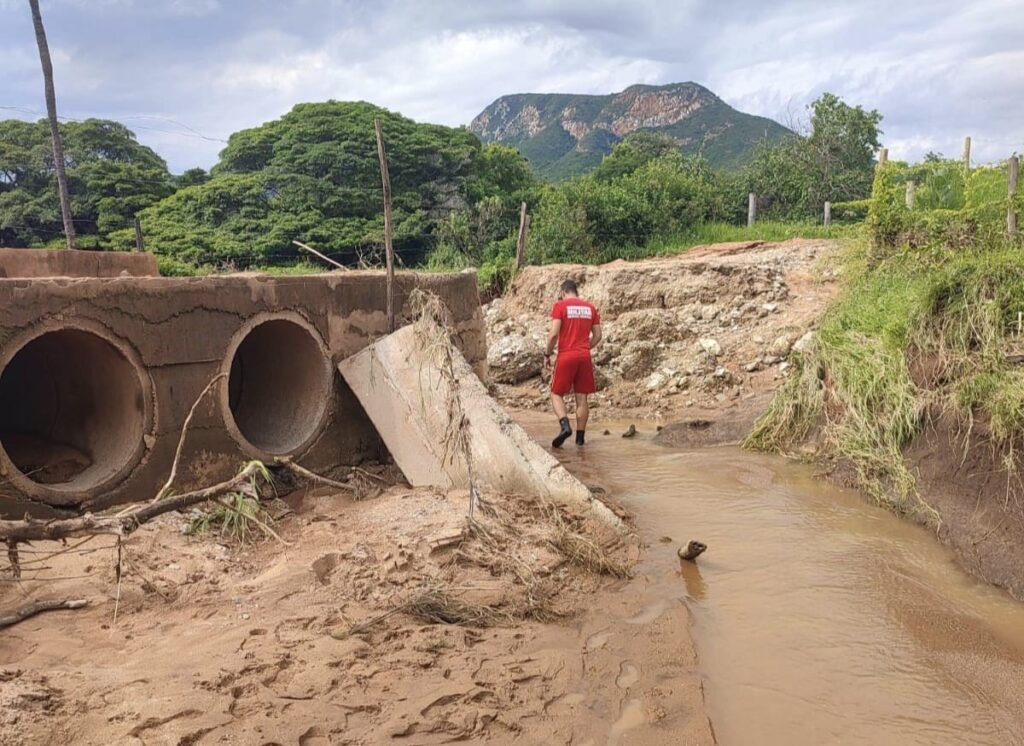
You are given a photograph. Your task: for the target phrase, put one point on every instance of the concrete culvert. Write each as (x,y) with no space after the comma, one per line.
(72,411)
(279,387)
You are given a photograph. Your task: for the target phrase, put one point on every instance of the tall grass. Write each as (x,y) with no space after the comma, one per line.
(957,312)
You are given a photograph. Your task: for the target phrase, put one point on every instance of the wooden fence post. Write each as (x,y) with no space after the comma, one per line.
(910,195)
(521,240)
(385,181)
(967,155)
(828,214)
(139,244)
(1013,174)
(751,209)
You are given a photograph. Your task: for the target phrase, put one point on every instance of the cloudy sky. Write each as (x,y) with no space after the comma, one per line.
(184,74)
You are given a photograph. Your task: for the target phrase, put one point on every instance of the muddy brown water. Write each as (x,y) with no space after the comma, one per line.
(818,617)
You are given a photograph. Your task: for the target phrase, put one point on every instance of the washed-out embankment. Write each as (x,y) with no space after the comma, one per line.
(702,343)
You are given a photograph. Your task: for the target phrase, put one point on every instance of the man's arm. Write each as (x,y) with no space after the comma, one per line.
(595,335)
(556,328)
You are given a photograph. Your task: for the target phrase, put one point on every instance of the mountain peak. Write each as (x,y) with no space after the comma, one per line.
(566,134)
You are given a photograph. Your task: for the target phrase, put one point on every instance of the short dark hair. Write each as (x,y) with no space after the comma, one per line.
(569,286)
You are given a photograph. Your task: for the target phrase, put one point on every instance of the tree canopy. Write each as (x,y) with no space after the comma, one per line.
(313,176)
(110,178)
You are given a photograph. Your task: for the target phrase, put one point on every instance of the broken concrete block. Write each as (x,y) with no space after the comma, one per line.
(408,386)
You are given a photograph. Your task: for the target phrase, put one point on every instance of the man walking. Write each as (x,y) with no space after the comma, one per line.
(575,328)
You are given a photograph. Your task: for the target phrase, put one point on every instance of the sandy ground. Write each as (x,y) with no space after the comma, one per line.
(217,643)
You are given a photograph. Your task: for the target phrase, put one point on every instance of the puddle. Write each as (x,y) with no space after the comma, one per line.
(818,618)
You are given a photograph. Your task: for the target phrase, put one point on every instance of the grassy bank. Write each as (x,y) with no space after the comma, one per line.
(914,334)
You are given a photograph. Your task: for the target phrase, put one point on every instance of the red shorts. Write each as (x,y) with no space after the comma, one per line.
(573,372)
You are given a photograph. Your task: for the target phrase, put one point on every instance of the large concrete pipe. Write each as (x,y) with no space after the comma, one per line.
(75,405)
(279,387)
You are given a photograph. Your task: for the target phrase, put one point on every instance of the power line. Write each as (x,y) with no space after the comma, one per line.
(193,133)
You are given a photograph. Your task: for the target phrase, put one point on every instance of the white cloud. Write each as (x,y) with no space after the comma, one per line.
(936,70)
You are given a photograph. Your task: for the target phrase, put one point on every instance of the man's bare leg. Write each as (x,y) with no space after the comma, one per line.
(582,414)
(558,404)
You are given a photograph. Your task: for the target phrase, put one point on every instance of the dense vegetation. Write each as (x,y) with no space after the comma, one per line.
(939,287)
(111,177)
(313,176)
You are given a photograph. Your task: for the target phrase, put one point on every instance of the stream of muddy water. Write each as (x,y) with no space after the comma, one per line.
(818,617)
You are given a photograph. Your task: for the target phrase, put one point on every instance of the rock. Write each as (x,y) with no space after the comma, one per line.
(710,346)
(803,344)
(654,382)
(639,357)
(757,339)
(708,312)
(692,550)
(770,307)
(514,358)
(783,367)
(654,324)
(630,432)
(781,345)
(753,367)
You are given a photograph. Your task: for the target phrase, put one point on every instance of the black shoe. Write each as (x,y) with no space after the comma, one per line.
(580,438)
(564,434)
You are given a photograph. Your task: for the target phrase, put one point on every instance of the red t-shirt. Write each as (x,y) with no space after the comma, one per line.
(577,317)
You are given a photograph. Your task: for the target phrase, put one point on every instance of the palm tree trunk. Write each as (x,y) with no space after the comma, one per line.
(51,113)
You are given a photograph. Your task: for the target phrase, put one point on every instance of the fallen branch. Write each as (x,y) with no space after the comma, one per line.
(184,432)
(312,476)
(38,608)
(122,524)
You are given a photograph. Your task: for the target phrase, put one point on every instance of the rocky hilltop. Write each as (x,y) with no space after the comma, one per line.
(566,134)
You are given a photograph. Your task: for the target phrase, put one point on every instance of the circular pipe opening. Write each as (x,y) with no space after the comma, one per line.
(72,411)
(279,387)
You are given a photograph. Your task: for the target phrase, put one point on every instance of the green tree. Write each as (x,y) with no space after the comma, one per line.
(110,178)
(842,146)
(835,162)
(633,152)
(313,176)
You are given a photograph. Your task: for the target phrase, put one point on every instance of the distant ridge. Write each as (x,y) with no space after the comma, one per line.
(564,134)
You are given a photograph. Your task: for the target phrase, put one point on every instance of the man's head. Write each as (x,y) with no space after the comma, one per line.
(569,289)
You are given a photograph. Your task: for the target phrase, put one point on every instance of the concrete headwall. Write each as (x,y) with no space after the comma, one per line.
(73,263)
(98,375)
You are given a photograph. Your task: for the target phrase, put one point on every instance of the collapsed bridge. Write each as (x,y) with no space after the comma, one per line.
(101,361)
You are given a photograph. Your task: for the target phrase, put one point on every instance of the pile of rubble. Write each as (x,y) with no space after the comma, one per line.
(715,324)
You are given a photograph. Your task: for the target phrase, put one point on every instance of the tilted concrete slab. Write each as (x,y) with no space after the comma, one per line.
(401,382)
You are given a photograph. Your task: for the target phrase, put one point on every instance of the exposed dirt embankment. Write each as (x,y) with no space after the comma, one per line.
(702,338)
(493,633)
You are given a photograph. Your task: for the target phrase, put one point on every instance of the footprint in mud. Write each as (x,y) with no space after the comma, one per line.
(650,612)
(313,737)
(597,640)
(632,715)
(628,675)
(324,566)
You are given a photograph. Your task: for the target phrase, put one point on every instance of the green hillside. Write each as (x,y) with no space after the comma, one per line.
(564,135)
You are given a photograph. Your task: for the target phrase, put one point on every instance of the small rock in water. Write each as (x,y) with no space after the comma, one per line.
(607,432)
(665,539)
(692,550)
(630,432)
